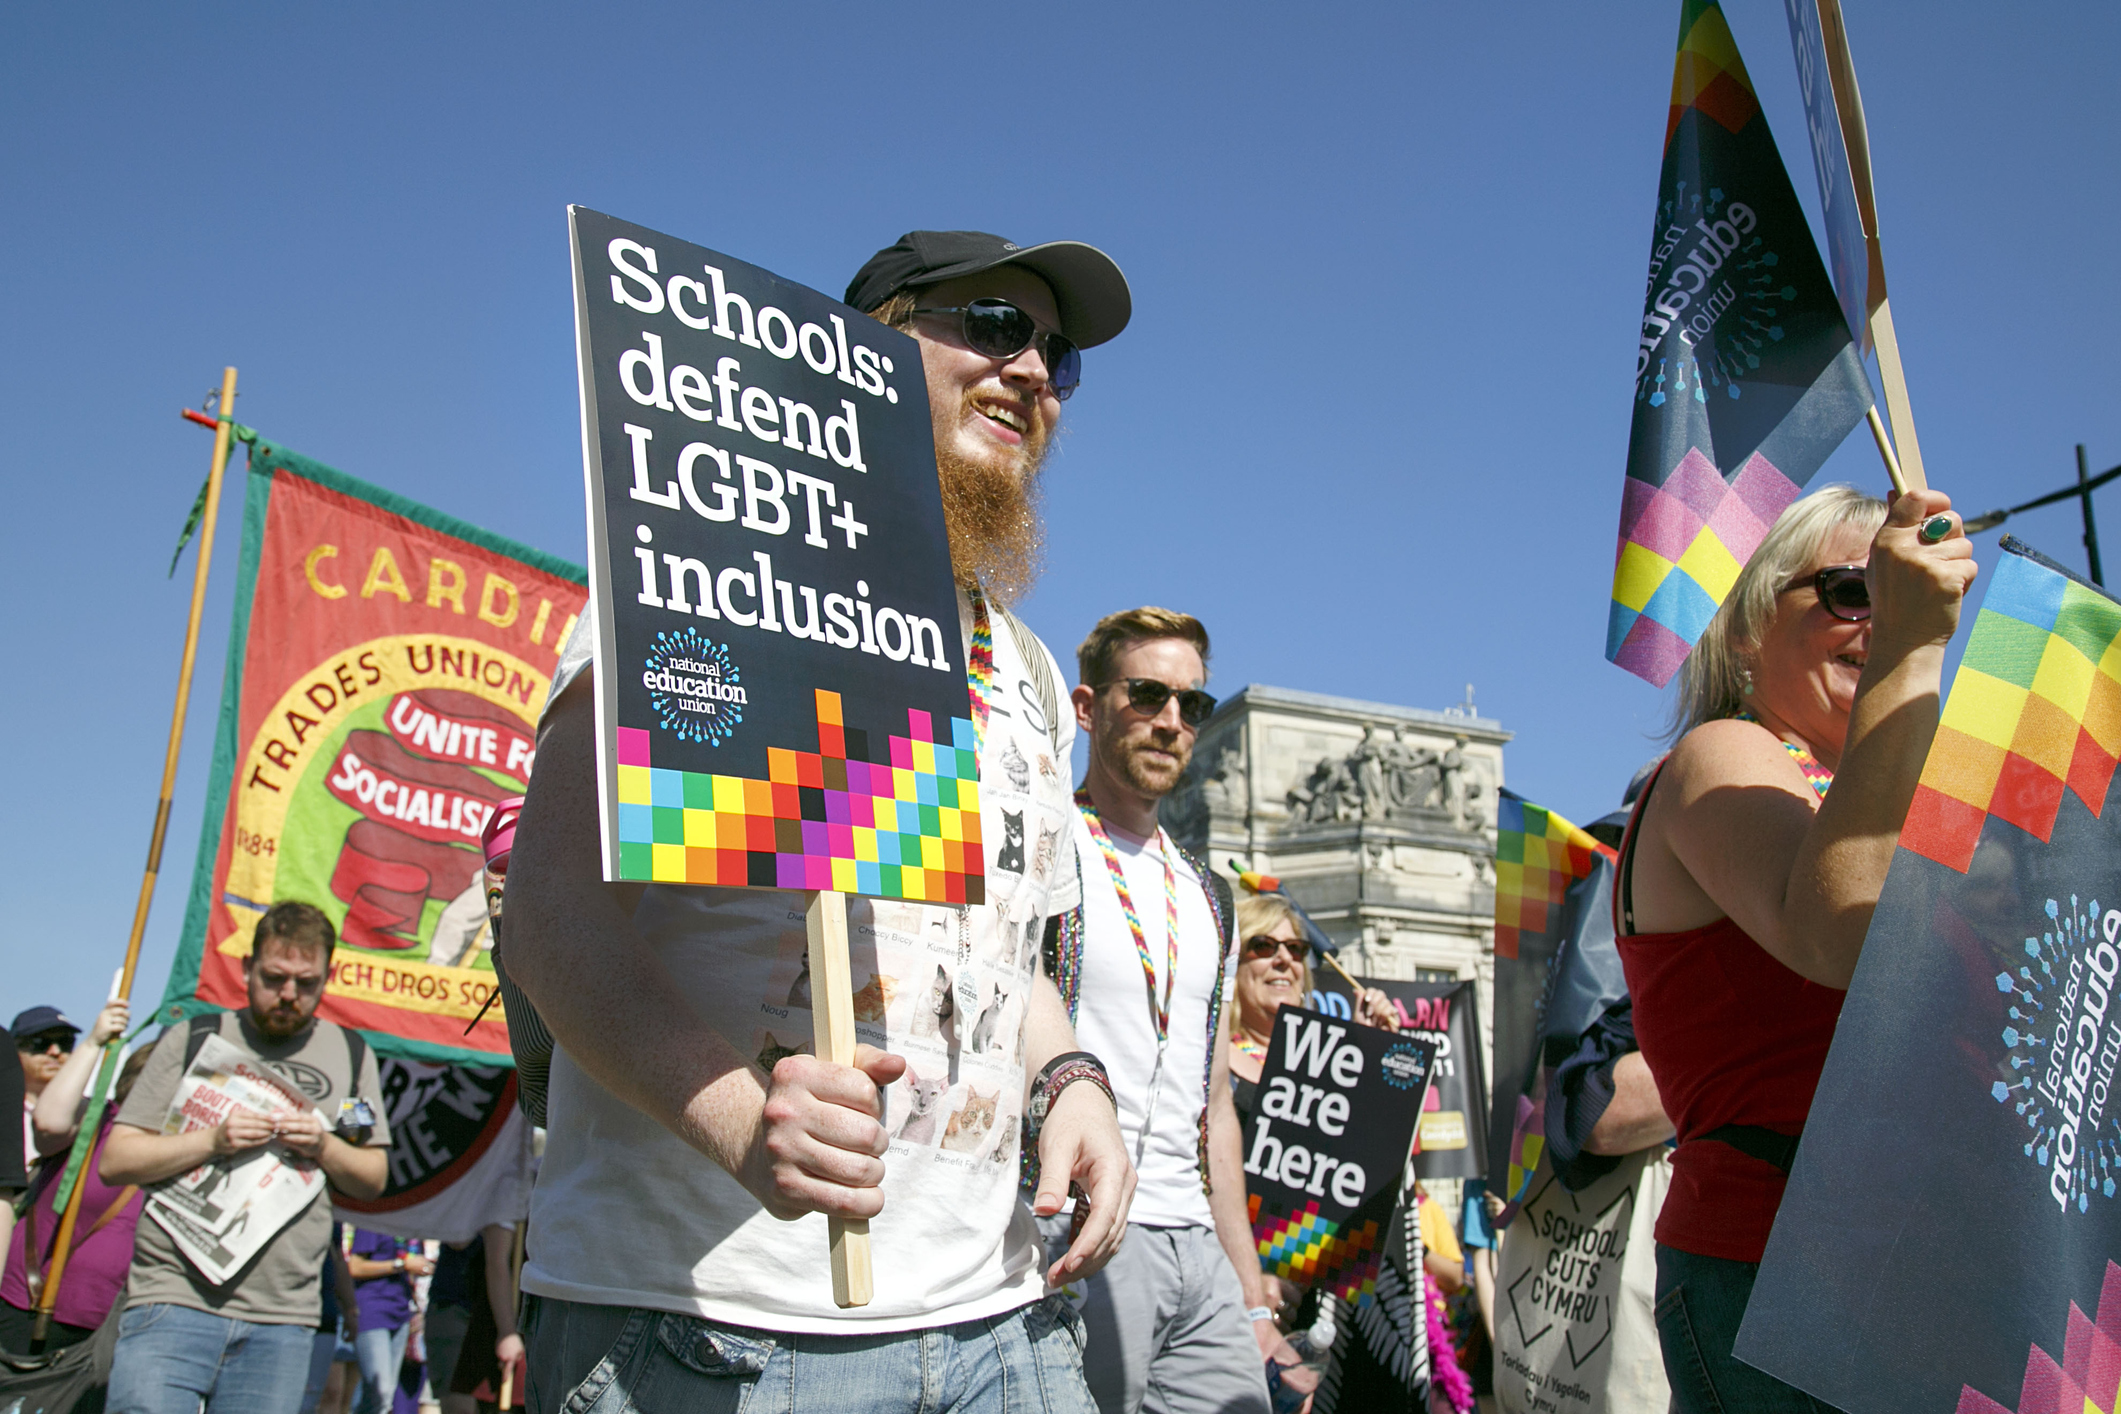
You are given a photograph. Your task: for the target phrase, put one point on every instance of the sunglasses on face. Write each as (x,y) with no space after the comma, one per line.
(1264,946)
(999,329)
(38,1045)
(1148,696)
(1842,592)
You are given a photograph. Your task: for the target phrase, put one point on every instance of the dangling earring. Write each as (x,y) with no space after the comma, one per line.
(1745,680)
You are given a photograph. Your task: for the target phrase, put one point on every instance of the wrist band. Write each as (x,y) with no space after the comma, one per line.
(1260,1313)
(1064,1070)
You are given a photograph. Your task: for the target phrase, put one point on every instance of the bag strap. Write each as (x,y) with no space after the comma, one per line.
(1624,893)
(1035,662)
(205,1024)
(356,1057)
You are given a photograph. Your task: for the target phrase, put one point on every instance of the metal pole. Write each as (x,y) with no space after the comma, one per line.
(48,1296)
(2091,527)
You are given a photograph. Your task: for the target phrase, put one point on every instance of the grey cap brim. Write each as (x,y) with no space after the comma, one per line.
(1088,288)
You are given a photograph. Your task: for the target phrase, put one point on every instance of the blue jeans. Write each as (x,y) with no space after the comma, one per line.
(380,1354)
(169,1358)
(588,1359)
(1700,1301)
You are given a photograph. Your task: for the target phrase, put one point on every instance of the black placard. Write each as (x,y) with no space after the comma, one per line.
(1454,1120)
(1327,1142)
(782,684)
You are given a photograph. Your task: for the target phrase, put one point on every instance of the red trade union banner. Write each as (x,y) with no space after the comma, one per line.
(385,671)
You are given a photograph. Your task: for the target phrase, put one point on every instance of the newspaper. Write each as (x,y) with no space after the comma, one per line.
(222,1213)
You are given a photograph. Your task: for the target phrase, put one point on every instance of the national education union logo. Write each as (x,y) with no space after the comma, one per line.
(2063,1046)
(694,689)
(1403,1067)
(1719,277)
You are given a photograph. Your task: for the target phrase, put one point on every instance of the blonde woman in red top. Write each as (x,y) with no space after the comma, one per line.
(1747,884)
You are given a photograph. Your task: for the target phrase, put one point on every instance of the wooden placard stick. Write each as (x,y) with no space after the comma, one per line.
(832,1020)
(1909,464)
(1905,468)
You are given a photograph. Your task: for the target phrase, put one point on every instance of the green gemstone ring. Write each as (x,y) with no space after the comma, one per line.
(1936,528)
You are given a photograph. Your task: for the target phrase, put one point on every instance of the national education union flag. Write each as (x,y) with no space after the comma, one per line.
(1949,1236)
(1745,377)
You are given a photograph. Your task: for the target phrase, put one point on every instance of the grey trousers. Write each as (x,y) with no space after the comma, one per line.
(1167,1332)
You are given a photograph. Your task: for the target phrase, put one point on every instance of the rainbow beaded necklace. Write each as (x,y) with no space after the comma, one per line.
(979,667)
(1159,1010)
(1819,776)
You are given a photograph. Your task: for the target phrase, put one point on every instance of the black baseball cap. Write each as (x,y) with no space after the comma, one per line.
(1093,297)
(39,1019)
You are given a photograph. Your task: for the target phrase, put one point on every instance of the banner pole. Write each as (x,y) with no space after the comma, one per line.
(48,1296)
(832,1029)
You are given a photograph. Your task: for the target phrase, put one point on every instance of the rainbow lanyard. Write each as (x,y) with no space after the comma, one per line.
(979,667)
(1161,1011)
(1819,776)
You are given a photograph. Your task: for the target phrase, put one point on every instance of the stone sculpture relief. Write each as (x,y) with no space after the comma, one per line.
(1387,776)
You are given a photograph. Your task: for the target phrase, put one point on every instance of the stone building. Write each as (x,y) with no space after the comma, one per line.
(1379,819)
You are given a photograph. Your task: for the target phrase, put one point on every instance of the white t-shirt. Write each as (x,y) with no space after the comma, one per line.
(625,1213)
(1114,1020)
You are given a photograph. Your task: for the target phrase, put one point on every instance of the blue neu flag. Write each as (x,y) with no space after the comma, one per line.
(1745,376)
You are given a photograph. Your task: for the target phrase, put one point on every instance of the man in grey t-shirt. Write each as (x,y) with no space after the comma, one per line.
(244,1345)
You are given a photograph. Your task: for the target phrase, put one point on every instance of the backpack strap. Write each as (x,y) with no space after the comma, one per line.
(1035,662)
(205,1024)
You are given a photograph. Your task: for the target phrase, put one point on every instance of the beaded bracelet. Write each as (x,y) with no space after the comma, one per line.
(1059,1073)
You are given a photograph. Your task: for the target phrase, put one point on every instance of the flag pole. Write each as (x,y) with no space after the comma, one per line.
(48,1296)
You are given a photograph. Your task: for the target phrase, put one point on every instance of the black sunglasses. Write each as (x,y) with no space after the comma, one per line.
(1265,946)
(1148,696)
(999,329)
(37,1045)
(1842,592)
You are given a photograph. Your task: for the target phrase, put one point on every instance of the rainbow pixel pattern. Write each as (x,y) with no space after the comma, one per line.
(1307,1249)
(1681,547)
(1537,854)
(2086,1380)
(905,825)
(2035,709)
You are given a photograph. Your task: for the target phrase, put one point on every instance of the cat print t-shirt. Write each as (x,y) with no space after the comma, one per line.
(627,1214)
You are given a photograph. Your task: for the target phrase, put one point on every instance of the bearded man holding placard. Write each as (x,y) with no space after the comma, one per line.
(673,1263)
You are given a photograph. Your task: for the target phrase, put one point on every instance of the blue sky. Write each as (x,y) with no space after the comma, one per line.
(1369,421)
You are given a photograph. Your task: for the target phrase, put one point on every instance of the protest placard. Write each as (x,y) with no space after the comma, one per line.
(781,689)
(1451,1139)
(386,668)
(222,1213)
(1327,1143)
(1949,1233)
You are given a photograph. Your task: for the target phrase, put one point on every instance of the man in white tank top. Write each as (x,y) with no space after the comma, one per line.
(1179,1323)
(679,1255)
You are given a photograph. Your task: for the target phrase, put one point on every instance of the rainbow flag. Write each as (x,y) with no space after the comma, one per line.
(1745,377)
(1537,854)
(2034,710)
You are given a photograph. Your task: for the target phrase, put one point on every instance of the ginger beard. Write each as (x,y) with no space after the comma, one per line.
(991,514)
(1152,765)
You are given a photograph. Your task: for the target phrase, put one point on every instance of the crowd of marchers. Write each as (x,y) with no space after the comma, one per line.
(1099,1035)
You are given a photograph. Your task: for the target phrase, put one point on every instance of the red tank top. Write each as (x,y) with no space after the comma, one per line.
(1732,1037)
